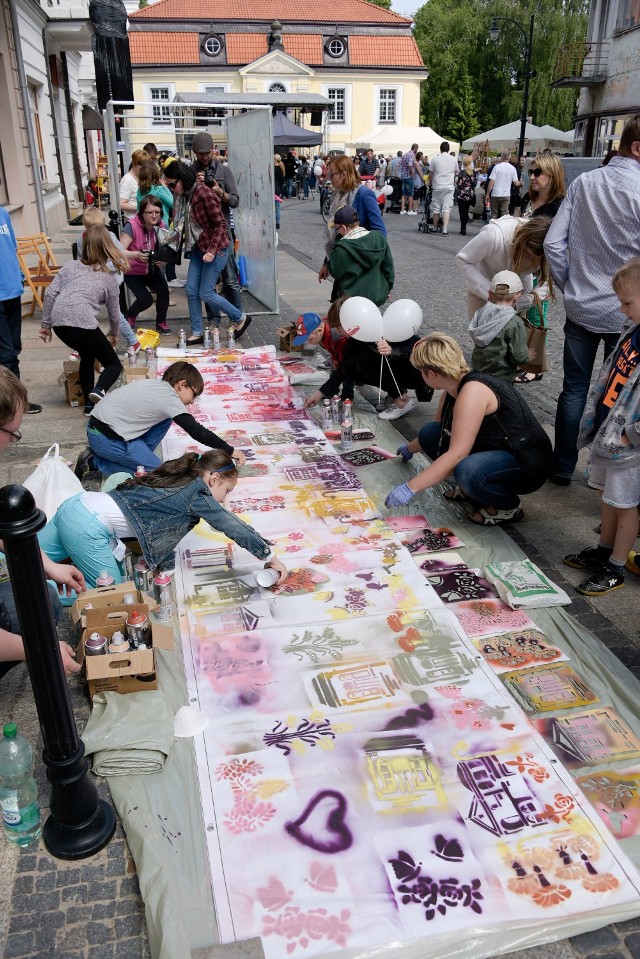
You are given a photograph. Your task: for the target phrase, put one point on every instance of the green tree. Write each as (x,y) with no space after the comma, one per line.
(142,4)
(386,4)
(453,39)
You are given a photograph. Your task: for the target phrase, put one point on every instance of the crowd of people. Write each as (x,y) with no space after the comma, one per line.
(483,437)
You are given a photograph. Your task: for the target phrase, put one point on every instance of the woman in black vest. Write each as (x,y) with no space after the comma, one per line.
(484,433)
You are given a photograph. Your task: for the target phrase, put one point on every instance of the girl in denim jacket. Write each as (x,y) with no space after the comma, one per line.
(158,510)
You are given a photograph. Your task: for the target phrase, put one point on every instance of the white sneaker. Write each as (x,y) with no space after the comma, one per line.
(413,212)
(403,212)
(177,284)
(394,412)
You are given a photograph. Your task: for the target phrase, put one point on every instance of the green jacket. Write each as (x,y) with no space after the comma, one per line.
(363,266)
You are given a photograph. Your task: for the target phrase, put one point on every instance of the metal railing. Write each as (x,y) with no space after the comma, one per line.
(581,64)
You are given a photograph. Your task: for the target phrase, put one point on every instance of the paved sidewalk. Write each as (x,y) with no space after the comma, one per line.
(92,909)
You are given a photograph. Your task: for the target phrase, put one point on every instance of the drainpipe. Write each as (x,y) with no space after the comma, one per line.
(26,107)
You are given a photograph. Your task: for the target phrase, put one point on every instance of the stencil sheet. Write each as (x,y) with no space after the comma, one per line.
(367,776)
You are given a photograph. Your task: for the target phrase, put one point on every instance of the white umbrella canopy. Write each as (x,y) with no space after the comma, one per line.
(391,138)
(507,137)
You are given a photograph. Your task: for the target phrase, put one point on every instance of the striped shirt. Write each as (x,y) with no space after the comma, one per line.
(595,231)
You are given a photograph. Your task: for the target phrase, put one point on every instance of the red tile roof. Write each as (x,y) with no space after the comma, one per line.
(305,47)
(245,47)
(178,48)
(287,11)
(384,52)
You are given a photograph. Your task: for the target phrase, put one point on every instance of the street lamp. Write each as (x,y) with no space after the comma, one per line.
(494,33)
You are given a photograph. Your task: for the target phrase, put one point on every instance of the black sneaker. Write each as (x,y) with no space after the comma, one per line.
(34,408)
(559,480)
(604,580)
(84,463)
(589,558)
(244,326)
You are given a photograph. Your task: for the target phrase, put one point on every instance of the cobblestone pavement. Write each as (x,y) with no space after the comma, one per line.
(92,909)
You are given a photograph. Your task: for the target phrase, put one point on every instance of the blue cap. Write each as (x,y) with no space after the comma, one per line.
(305,326)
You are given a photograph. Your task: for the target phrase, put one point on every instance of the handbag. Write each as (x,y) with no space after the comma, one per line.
(52,482)
(534,454)
(169,246)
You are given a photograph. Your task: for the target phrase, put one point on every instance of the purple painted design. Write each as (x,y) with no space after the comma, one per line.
(306,731)
(435,895)
(323,831)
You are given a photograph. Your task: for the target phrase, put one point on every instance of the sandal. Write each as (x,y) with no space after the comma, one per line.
(455,494)
(500,516)
(524,376)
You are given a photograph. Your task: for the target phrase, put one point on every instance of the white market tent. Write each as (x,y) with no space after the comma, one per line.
(391,138)
(536,138)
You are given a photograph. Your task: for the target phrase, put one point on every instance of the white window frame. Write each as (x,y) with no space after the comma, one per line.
(346,88)
(284,83)
(206,87)
(213,36)
(336,56)
(157,102)
(377,104)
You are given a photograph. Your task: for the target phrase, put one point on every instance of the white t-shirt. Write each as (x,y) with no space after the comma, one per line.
(503,175)
(444,168)
(109,513)
(129,193)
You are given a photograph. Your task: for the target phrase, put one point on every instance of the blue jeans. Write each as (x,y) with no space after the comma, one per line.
(277,205)
(76,533)
(126,332)
(493,478)
(9,616)
(10,334)
(230,287)
(580,350)
(116,456)
(201,285)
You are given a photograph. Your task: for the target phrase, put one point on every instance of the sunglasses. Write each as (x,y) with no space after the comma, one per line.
(537,172)
(14,434)
(171,186)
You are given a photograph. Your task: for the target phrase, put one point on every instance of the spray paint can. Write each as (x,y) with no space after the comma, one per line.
(207,338)
(138,630)
(143,576)
(327,416)
(95,645)
(141,471)
(150,357)
(163,595)
(129,599)
(182,340)
(346,428)
(119,643)
(133,356)
(105,579)
(267,577)
(216,339)
(336,410)
(231,339)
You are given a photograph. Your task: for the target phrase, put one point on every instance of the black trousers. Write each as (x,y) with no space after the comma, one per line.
(463,210)
(92,345)
(141,286)
(10,334)
(398,375)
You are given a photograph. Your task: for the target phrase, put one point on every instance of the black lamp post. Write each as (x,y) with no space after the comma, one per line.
(494,33)
(80,823)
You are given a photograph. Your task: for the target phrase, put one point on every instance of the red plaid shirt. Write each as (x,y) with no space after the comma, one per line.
(207,213)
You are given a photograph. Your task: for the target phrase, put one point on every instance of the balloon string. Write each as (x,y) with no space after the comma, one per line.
(400,392)
(380,383)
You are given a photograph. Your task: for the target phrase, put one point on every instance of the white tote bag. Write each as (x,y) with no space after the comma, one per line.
(52,482)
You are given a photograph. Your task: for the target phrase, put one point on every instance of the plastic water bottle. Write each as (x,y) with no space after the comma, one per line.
(18,791)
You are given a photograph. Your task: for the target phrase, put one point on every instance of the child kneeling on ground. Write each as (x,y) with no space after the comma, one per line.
(158,510)
(498,333)
(611,423)
(129,424)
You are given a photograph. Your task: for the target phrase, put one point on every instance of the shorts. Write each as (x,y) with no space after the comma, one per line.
(407,187)
(442,200)
(620,485)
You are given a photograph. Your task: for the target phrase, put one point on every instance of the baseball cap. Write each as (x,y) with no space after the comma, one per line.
(305,325)
(345,216)
(202,143)
(506,281)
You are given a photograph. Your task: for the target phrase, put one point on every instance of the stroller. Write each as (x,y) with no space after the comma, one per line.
(426,218)
(396,196)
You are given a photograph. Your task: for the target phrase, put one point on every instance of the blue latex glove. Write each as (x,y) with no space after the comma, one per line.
(405,453)
(399,496)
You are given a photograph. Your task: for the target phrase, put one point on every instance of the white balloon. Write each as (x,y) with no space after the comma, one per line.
(387,189)
(401,320)
(361,319)
(317,170)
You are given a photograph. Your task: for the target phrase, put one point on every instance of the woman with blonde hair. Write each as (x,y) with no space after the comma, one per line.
(547,187)
(72,302)
(484,434)
(348,191)
(128,189)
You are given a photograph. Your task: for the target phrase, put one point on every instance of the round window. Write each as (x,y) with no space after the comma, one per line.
(213,46)
(277,88)
(336,47)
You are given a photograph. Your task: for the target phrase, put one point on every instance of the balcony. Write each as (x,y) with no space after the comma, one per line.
(68,24)
(581,65)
